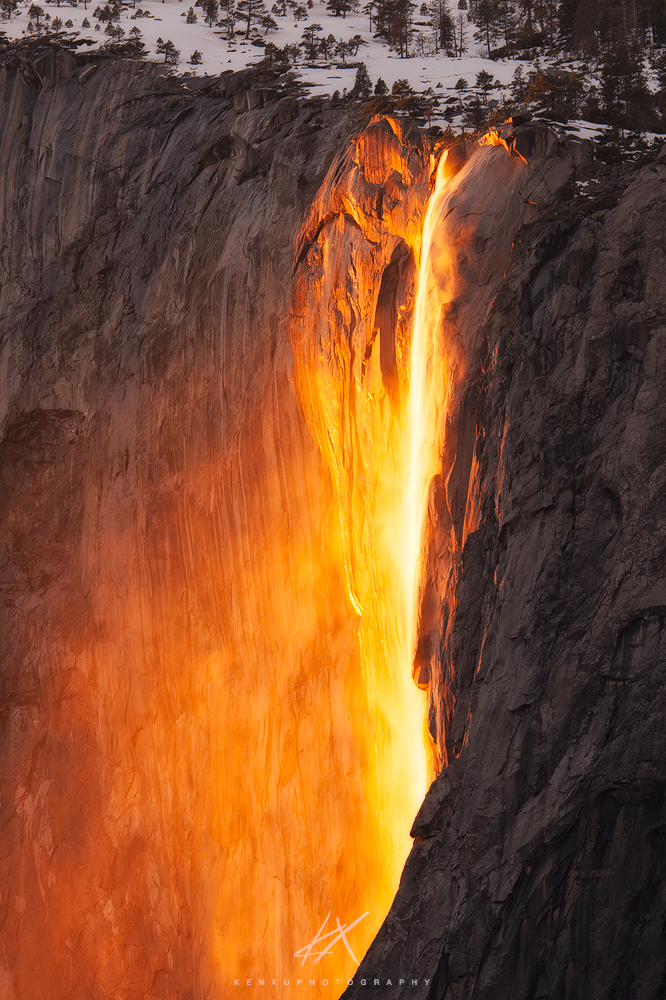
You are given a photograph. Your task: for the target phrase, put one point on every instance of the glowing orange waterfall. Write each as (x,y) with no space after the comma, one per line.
(381,457)
(429,385)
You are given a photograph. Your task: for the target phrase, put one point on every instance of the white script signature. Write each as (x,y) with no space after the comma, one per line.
(339,934)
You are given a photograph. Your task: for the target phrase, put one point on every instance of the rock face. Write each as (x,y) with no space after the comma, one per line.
(159,486)
(538,863)
(178,565)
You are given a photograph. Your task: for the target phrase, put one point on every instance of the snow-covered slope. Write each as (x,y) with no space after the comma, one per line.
(167,20)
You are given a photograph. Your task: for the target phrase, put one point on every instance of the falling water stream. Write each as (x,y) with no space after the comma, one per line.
(429,384)
(381,458)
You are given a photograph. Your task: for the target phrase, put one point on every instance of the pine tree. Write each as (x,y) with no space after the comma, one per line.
(585,38)
(393,19)
(474,115)
(369,11)
(344,7)
(566,17)
(460,40)
(354,44)
(557,94)
(518,86)
(169,50)
(659,66)
(401,88)
(342,49)
(381,90)
(252,12)
(484,83)
(210,9)
(549,21)
(109,12)
(310,42)
(134,46)
(228,16)
(35,12)
(191,17)
(380,8)
(507,23)
(442,24)
(525,8)
(624,88)
(486,16)
(399,34)
(8,7)
(292,52)
(385,13)
(656,20)
(362,84)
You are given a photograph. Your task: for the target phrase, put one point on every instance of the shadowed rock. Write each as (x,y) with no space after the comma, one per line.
(538,866)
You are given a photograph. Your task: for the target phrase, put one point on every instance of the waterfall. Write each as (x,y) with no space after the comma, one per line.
(429,384)
(380,438)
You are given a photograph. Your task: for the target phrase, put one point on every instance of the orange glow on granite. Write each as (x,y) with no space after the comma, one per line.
(267,746)
(380,456)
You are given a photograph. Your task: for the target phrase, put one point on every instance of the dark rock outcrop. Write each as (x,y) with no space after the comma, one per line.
(538,868)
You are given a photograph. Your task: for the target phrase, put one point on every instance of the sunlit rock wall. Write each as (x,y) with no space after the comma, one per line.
(183,787)
(350,326)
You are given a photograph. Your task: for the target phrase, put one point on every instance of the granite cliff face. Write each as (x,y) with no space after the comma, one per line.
(538,863)
(177,560)
(159,486)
